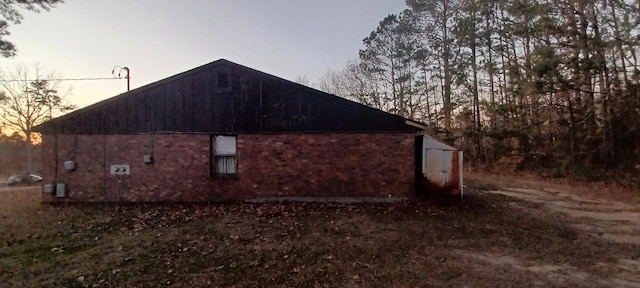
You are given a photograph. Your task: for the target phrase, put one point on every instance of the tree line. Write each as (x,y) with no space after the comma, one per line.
(536,83)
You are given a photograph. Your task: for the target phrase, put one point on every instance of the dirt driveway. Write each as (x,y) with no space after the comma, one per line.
(611,221)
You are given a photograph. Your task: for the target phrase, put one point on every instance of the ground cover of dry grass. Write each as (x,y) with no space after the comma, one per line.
(488,240)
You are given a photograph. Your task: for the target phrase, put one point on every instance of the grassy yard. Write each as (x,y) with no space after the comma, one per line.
(411,244)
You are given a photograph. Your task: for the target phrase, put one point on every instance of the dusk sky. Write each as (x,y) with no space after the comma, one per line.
(158,39)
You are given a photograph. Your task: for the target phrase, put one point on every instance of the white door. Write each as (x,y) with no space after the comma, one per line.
(433,167)
(442,168)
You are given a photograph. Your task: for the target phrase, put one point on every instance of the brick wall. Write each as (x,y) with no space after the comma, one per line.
(268,165)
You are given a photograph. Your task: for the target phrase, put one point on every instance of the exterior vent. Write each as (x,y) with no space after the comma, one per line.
(69,165)
(223,81)
(61,190)
(148,159)
(48,188)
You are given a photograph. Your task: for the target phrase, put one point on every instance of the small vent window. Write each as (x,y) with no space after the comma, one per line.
(223,80)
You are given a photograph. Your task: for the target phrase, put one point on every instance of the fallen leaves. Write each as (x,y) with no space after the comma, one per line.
(137,218)
(261,241)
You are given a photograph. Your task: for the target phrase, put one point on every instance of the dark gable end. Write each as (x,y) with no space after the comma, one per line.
(225,97)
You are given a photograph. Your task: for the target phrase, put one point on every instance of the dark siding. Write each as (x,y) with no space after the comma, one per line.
(120,117)
(169,107)
(208,101)
(158,101)
(202,102)
(189,115)
(148,111)
(178,101)
(141,111)
(255,103)
(133,124)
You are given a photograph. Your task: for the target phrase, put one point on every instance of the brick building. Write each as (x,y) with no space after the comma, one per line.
(224,132)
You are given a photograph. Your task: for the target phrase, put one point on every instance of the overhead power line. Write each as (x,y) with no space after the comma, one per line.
(62,79)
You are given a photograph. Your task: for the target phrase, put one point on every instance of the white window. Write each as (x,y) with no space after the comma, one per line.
(224,158)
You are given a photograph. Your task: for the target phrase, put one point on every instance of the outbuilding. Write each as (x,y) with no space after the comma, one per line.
(226,132)
(440,169)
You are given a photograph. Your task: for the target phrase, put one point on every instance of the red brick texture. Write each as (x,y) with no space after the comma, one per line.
(269,165)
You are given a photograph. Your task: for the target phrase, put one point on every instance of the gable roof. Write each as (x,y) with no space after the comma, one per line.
(254,102)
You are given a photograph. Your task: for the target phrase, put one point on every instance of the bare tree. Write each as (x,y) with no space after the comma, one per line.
(330,82)
(355,83)
(28,97)
(302,80)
